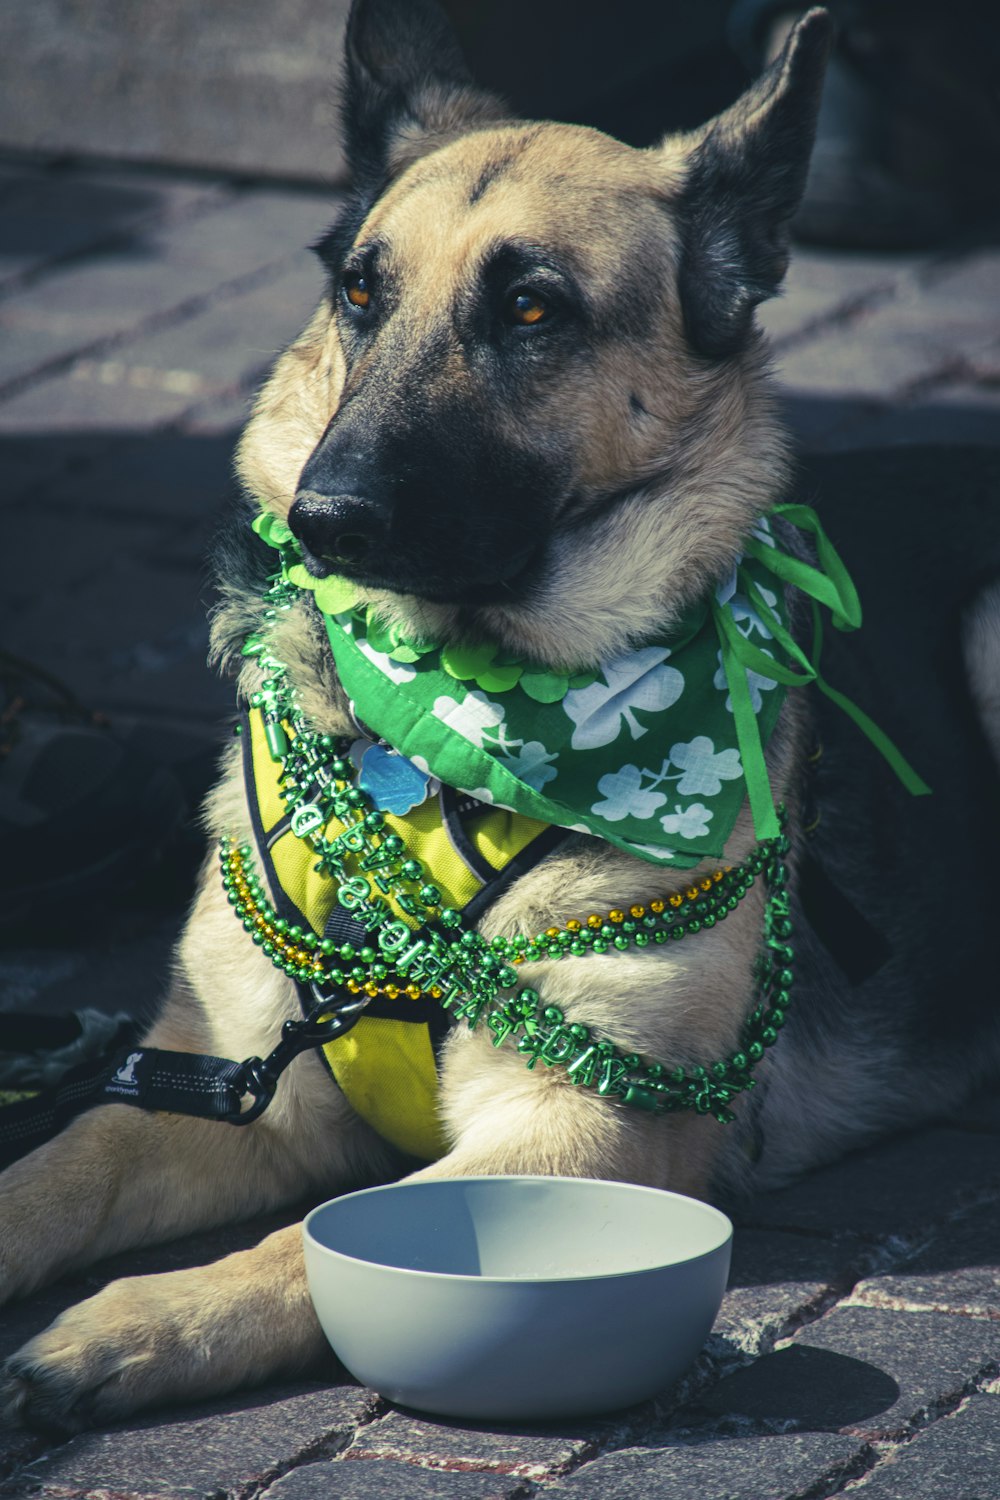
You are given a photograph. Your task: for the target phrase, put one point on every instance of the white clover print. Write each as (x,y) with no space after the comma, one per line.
(532,764)
(689,822)
(396,671)
(655,852)
(745,617)
(762,531)
(476,718)
(755,683)
(727,588)
(705,769)
(637,681)
(625,797)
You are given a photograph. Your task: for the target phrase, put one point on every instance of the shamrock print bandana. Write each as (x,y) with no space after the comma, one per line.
(645,756)
(654,751)
(642,752)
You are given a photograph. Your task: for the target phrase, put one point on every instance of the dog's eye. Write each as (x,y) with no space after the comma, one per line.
(356,289)
(526,309)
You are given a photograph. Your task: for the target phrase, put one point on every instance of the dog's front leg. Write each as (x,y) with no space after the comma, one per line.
(506,1120)
(118,1178)
(248,1318)
(179,1336)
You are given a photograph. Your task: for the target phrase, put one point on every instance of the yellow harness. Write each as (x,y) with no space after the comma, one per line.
(386,1065)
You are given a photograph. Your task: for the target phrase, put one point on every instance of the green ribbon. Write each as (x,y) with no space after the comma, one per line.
(829,585)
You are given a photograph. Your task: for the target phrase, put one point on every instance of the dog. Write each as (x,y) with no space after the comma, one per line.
(532,410)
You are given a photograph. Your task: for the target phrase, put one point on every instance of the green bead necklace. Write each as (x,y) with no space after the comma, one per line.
(457,967)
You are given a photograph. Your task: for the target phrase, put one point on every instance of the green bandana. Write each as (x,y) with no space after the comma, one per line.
(654,752)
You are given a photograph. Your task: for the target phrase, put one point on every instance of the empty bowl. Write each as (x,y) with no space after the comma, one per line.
(513,1297)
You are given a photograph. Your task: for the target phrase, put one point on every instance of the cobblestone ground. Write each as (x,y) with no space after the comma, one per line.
(858,1348)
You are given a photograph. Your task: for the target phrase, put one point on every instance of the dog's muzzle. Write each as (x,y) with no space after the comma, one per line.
(338,529)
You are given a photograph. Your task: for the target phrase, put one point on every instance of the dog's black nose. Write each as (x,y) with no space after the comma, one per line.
(338,528)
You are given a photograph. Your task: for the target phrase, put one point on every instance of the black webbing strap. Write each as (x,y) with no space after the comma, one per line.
(179,1082)
(531,855)
(452,806)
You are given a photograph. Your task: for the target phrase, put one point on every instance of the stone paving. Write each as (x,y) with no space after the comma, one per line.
(858,1348)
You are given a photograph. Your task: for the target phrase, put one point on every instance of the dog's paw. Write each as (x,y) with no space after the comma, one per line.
(60,1383)
(176,1336)
(34,1393)
(97,1362)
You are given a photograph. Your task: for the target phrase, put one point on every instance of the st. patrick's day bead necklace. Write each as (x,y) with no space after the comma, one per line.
(473,979)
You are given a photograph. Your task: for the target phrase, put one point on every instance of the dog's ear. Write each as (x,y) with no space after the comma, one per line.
(744,179)
(407,88)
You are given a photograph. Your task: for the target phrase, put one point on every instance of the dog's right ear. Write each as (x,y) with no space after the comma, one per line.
(407,87)
(745,177)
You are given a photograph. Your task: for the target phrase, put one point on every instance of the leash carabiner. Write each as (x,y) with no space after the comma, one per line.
(325,1022)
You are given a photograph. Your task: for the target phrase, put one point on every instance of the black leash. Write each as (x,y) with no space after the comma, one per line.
(181,1083)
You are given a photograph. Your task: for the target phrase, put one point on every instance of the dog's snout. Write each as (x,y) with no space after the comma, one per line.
(351,546)
(337,528)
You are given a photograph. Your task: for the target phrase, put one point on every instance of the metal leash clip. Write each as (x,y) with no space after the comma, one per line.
(325,1022)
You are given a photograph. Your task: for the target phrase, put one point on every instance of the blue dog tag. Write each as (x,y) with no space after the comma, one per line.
(394,783)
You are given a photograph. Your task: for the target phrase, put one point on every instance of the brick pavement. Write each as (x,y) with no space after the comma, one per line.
(858,1348)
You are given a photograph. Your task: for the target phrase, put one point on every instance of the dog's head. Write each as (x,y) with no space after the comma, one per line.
(532,405)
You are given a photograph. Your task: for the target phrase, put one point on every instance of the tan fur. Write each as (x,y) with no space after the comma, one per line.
(706,450)
(702,459)
(291,412)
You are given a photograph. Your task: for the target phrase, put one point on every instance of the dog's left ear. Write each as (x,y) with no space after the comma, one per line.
(745,177)
(407,89)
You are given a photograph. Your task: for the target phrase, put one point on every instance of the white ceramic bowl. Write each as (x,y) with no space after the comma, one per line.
(504,1297)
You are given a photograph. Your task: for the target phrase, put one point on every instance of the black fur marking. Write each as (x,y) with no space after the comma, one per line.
(850,939)
(429,490)
(335,244)
(358,326)
(404,71)
(743,186)
(241,565)
(512,265)
(490,174)
(621,311)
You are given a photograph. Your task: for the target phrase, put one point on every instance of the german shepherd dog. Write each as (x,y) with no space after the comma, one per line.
(531,409)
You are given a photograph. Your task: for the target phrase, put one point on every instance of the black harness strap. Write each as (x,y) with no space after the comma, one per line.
(531,855)
(452,808)
(217,1088)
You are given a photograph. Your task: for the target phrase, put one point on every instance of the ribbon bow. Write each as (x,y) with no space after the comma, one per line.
(829,585)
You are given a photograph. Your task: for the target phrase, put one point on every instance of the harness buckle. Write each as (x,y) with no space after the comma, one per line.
(325,1022)
(259,1081)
